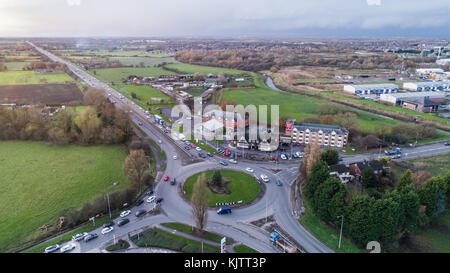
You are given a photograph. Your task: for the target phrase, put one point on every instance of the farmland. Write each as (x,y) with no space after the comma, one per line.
(43,182)
(145,93)
(120,74)
(31,77)
(50,94)
(191,69)
(146,61)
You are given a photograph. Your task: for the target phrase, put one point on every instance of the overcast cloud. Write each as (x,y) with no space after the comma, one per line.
(284,18)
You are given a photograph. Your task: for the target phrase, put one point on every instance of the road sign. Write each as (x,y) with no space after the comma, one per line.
(223,245)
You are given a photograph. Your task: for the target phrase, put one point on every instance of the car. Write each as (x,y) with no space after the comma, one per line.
(90,237)
(125,213)
(283,156)
(447,143)
(297,144)
(140,123)
(139,202)
(250,170)
(224,163)
(160,141)
(140,212)
(123,222)
(107,230)
(187,148)
(210,154)
(159,200)
(67,248)
(165,178)
(202,155)
(151,199)
(173,182)
(52,248)
(396,156)
(192,145)
(264,178)
(79,236)
(109,224)
(279,183)
(233,161)
(150,192)
(224,210)
(198,149)
(175,157)
(187,142)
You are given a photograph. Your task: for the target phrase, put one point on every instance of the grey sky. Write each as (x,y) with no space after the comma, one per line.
(284,18)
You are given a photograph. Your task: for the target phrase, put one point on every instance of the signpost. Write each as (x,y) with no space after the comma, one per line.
(223,245)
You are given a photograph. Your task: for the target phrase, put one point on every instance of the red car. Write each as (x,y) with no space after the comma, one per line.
(192,145)
(166,178)
(298,144)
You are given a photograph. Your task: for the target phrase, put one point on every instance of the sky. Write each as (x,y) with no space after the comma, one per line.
(225,18)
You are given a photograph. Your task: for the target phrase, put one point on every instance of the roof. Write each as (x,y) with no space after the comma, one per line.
(375,165)
(423,100)
(339,168)
(431,84)
(327,129)
(414,94)
(374,86)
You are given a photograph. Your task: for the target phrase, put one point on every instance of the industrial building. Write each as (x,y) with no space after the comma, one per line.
(396,99)
(321,134)
(366,89)
(427,86)
(427,71)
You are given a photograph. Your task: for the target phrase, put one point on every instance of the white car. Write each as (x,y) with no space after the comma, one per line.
(67,248)
(79,236)
(151,199)
(283,157)
(175,157)
(250,170)
(198,149)
(233,161)
(125,213)
(107,230)
(264,178)
(51,248)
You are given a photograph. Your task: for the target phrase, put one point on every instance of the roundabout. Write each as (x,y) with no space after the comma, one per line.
(236,187)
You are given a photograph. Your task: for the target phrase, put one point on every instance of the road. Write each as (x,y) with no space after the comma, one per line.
(276,199)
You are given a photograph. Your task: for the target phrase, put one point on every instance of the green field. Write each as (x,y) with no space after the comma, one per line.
(120,74)
(40,183)
(16,65)
(192,69)
(437,165)
(242,186)
(244,249)
(188,230)
(147,61)
(296,106)
(30,77)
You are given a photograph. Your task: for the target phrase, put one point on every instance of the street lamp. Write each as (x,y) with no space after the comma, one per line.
(340,236)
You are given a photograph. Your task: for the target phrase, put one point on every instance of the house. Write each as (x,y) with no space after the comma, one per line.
(342,172)
(357,168)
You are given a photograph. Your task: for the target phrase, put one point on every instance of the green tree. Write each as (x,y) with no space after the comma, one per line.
(385,213)
(324,199)
(216,178)
(360,222)
(319,174)
(369,179)
(433,195)
(330,156)
(410,208)
(405,180)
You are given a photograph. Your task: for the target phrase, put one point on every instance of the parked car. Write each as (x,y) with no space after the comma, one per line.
(224,210)
(166,178)
(79,236)
(224,163)
(210,154)
(149,192)
(125,213)
(159,200)
(109,224)
(139,202)
(140,212)
(283,156)
(202,155)
(187,148)
(90,237)
(198,149)
(107,230)
(52,248)
(67,248)
(250,170)
(151,199)
(123,222)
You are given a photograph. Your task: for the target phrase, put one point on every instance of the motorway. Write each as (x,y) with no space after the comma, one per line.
(276,200)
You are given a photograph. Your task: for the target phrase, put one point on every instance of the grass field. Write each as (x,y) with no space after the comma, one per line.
(147,61)
(30,77)
(160,238)
(191,69)
(242,186)
(118,75)
(16,65)
(436,165)
(40,183)
(244,249)
(188,230)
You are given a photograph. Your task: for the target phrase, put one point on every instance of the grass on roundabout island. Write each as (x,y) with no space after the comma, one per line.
(242,186)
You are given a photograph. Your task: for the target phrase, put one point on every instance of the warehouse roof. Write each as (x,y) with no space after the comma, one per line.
(414,94)
(374,86)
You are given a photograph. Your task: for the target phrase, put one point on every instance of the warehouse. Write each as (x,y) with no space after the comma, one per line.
(397,99)
(366,89)
(427,86)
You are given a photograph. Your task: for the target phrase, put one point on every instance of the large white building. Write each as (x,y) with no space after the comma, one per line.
(399,97)
(427,71)
(366,89)
(427,86)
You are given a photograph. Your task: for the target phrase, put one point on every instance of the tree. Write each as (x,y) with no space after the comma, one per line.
(433,195)
(360,222)
(89,125)
(324,195)
(216,178)
(320,173)
(405,180)
(369,179)
(312,156)
(135,167)
(200,199)
(94,96)
(330,156)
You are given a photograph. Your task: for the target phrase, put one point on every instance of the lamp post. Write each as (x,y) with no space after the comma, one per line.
(342,224)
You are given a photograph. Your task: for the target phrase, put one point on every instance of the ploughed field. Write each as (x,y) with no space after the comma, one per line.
(49,94)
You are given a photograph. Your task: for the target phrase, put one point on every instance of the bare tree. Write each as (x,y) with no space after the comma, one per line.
(312,156)
(94,96)
(135,167)
(200,198)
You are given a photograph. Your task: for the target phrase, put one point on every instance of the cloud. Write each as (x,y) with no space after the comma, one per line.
(73,2)
(374,2)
